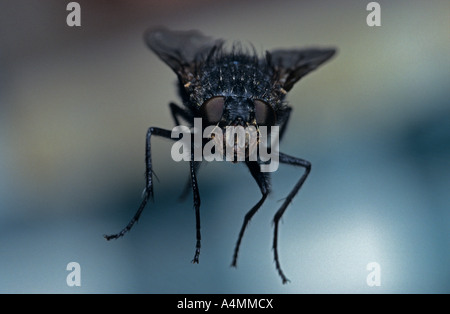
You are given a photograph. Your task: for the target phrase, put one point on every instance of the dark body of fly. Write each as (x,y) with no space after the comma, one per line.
(230,88)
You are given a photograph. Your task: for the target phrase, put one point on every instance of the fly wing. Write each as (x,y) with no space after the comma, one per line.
(181,50)
(289,66)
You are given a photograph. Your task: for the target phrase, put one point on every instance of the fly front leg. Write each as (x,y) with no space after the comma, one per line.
(263,182)
(296,162)
(178,112)
(148,192)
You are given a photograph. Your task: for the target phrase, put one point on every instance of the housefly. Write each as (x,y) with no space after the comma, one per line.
(225,88)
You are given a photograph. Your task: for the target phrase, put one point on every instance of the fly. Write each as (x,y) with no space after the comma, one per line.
(210,92)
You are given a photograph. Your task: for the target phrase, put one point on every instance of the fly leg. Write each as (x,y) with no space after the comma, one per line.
(148,192)
(196,193)
(296,162)
(263,182)
(178,112)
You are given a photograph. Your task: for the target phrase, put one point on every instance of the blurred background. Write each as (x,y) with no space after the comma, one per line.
(76,102)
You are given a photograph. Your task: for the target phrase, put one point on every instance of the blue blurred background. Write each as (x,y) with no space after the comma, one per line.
(75,104)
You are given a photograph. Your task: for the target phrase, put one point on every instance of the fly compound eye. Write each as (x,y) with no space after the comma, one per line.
(212,109)
(264,113)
